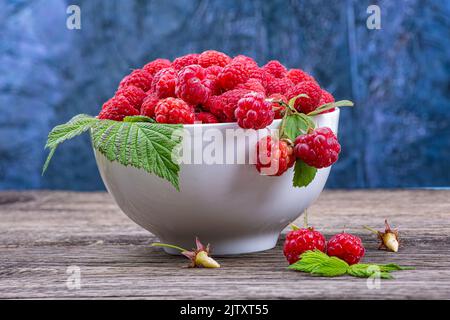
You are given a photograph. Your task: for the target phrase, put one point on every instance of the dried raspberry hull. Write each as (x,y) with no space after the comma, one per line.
(297,76)
(187,60)
(193,85)
(233,74)
(275,68)
(213,58)
(301,240)
(254,112)
(306,104)
(156,65)
(133,94)
(138,78)
(117,108)
(273,157)
(174,111)
(149,105)
(205,117)
(318,149)
(346,247)
(164,83)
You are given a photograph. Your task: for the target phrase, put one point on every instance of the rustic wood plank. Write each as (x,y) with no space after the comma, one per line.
(43,233)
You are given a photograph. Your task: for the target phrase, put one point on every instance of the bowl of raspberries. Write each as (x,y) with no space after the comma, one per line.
(283,123)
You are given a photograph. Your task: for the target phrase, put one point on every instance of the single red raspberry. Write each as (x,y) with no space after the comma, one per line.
(253,85)
(117,108)
(279,85)
(223,106)
(275,68)
(148,105)
(233,74)
(187,60)
(173,110)
(206,117)
(193,85)
(346,247)
(212,73)
(277,107)
(273,156)
(263,76)
(138,78)
(297,76)
(213,58)
(250,64)
(164,83)
(133,94)
(254,112)
(154,66)
(300,240)
(318,149)
(325,98)
(304,104)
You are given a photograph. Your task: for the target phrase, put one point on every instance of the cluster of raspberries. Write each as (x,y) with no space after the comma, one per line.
(212,87)
(319,148)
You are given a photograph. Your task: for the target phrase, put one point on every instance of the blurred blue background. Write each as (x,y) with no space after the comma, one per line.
(397,136)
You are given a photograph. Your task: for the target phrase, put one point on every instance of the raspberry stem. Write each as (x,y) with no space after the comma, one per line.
(158,244)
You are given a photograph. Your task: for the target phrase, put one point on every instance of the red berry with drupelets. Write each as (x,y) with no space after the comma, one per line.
(319,148)
(273,156)
(346,247)
(300,240)
(254,111)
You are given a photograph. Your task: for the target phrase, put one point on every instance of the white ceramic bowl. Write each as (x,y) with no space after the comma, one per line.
(230,206)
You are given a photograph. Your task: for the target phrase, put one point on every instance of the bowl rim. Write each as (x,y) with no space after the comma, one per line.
(275,121)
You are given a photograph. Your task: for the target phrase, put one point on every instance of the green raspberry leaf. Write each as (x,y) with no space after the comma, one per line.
(297,124)
(74,127)
(331,105)
(318,263)
(136,142)
(303,174)
(143,145)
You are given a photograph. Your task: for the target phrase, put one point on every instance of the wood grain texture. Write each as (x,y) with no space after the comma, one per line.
(43,233)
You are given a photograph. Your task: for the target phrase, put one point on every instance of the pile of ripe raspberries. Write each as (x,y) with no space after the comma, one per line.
(212,87)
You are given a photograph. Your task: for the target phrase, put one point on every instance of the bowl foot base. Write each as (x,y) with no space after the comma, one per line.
(222,247)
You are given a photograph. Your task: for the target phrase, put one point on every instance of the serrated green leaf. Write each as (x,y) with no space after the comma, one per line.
(318,263)
(138,119)
(137,142)
(303,174)
(331,267)
(331,105)
(297,124)
(393,267)
(309,260)
(74,127)
(143,145)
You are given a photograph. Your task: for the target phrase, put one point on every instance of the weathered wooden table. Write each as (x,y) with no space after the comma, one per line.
(46,236)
